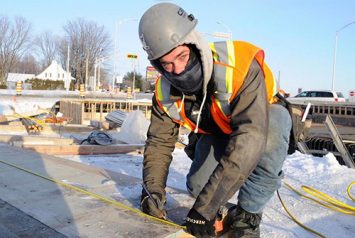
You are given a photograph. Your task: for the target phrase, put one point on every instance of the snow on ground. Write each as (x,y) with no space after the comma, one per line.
(322,173)
(11,105)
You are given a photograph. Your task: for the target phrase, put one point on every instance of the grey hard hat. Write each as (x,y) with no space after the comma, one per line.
(163,27)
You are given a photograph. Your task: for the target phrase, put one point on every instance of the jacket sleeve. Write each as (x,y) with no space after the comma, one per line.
(249,123)
(161,138)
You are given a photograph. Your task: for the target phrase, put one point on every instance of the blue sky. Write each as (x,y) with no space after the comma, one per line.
(298,36)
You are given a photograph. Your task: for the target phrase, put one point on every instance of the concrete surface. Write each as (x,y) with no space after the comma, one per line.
(15,223)
(54,211)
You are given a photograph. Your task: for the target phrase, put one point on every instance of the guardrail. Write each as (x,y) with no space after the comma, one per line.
(340,114)
(81,111)
(343,113)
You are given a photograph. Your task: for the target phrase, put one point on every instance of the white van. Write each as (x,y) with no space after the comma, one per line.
(317,95)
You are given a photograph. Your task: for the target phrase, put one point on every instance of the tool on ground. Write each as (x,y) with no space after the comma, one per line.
(98,138)
(151,197)
(221,215)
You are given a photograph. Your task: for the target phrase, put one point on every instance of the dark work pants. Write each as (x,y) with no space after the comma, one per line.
(265,178)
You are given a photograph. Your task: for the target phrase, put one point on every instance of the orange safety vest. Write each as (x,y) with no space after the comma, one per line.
(231,62)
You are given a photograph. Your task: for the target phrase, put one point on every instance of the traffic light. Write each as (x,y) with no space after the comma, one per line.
(132,56)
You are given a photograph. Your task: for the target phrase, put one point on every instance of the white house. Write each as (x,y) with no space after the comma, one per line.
(13,78)
(55,72)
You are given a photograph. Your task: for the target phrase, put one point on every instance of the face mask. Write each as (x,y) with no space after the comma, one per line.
(190,81)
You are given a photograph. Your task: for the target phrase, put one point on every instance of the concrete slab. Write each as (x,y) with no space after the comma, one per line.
(19,140)
(65,211)
(24,225)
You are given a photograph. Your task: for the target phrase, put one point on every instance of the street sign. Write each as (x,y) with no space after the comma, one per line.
(151,74)
(132,56)
(351,96)
(119,79)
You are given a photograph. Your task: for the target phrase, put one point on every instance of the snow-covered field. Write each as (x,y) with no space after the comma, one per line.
(322,173)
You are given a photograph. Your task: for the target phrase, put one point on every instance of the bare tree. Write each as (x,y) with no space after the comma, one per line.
(27,65)
(14,42)
(87,42)
(47,45)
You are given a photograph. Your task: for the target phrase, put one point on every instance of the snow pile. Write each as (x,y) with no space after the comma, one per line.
(134,128)
(20,105)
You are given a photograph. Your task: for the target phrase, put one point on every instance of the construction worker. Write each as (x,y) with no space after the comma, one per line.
(224,93)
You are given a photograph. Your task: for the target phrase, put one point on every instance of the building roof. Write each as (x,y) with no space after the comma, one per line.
(54,72)
(15,77)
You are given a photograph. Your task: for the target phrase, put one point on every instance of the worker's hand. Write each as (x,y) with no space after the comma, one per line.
(154,206)
(198,226)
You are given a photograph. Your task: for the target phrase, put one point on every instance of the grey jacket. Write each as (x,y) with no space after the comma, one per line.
(249,123)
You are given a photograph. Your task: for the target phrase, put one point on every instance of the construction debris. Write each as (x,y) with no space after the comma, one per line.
(134,128)
(96,142)
(32,126)
(116,117)
(98,138)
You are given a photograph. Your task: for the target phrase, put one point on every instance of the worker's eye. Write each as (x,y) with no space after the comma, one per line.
(184,57)
(166,66)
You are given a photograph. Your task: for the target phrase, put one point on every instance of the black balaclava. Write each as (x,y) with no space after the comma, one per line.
(189,81)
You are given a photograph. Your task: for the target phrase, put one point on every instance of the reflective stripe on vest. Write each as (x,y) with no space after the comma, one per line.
(171,107)
(229,75)
(232,60)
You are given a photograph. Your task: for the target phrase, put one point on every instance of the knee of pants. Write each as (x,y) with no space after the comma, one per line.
(209,150)
(192,188)
(199,174)
(277,140)
(280,124)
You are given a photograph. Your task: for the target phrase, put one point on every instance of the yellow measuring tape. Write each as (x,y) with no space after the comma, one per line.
(96,196)
(322,199)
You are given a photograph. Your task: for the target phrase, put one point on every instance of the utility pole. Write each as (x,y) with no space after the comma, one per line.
(94,81)
(99,74)
(68,73)
(335,51)
(87,70)
(134,82)
(133,57)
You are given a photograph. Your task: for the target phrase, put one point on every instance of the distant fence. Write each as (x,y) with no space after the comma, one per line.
(82,111)
(342,113)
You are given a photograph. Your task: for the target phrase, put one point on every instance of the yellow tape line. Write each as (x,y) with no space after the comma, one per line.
(96,196)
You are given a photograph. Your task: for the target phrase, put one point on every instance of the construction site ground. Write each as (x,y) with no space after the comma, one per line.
(33,206)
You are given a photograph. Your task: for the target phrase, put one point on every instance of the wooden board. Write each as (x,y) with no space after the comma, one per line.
(84,149)
(44,140)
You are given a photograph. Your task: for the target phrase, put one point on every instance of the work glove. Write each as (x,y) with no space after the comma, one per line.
(198,226)
(153,205)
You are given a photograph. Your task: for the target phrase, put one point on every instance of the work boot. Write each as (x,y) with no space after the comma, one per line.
(241,224)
